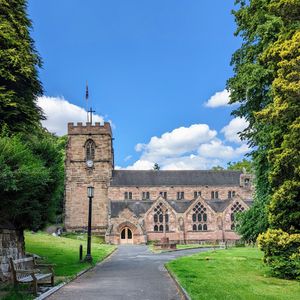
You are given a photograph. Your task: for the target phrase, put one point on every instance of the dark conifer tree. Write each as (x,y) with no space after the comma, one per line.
(19,63)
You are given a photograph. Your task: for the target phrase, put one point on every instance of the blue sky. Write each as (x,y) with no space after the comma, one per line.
(150,66)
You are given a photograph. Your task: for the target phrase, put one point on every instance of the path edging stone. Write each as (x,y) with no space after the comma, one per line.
(181,289)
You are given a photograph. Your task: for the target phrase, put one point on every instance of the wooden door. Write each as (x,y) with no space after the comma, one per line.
(126,236)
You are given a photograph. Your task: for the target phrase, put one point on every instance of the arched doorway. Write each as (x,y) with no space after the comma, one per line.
(126,236)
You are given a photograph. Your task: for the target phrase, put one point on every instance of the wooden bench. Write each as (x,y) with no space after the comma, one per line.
(26,270)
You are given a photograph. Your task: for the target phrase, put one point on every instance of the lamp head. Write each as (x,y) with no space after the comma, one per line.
(90,191)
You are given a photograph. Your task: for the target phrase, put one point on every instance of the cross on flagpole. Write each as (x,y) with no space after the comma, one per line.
(90,117)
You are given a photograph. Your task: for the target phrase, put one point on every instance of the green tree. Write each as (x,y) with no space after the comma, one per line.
(244,164)
(266,84)
(217,168)
(156,167)
(23,178)
(19,63)
(251,84)
(283,114)
(32,179)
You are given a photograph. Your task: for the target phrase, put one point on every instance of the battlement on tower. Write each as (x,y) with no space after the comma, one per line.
(88,128)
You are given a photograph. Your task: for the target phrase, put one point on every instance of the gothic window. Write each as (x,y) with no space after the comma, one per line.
(160,218)
(199,218)
(231,194)
(197,193)
(90,150)
(145,195)
(128,195)
(180,195)
(236,208)
(214,195)
(163,194)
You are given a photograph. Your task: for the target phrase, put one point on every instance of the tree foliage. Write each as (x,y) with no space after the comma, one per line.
(19,63)
(156,167)
(244,164)
(266,83)
(264,69)
(31,179)
(281,252)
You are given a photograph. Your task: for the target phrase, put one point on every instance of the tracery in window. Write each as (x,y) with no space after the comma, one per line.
(199,218)
(236,208)
(90,150)
(160,218)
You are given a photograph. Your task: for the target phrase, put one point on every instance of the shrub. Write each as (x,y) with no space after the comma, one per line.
(281,252)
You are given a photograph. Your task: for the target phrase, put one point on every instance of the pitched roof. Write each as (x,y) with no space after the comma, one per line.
(175,178)
(218,205)
(180,206)
(137,207)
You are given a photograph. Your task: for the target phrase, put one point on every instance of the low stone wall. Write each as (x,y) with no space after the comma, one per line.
(11,245)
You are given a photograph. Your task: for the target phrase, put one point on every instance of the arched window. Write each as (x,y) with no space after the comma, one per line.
(90,150)
(160,218)
(199,218)
(235,208)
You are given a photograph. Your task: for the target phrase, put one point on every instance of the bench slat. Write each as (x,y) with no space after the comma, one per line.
(25,259)
(38,277)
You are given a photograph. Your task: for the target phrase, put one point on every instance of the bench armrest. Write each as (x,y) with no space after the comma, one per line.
(48,266)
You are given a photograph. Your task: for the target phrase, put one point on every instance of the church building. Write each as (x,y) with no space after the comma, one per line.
(131,206)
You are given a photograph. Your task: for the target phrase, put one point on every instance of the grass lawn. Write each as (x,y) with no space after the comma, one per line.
(64,252)
(236,273)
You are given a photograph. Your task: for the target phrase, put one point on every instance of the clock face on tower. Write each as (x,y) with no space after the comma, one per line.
(89,163)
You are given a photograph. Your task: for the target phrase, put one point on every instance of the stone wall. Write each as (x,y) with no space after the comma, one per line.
(117,193)
(11,245)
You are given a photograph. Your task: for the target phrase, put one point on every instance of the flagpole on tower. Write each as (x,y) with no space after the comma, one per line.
(86,98)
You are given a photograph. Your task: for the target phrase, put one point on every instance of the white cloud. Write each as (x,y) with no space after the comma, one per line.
(217,149)
(177,142)
(190,162)
(218,99)
(59,112)
(231,131)
(187,148)
(141,165)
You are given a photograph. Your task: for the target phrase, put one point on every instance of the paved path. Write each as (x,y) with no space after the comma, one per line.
(133,272)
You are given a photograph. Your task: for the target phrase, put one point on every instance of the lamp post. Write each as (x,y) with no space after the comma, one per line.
(90,192)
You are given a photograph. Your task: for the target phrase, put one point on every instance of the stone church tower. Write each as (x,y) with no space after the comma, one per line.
(89,162)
